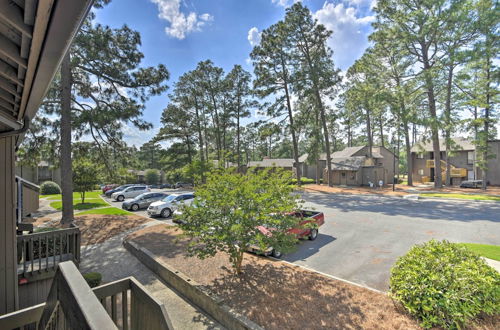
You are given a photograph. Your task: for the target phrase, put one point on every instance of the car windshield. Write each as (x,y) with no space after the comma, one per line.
(141,196)
(169,198)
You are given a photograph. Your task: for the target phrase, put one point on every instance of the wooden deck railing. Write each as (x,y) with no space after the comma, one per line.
(72,304)
(40,253)
(131,307)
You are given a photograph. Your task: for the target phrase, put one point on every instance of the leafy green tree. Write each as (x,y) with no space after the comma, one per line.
(230,208)
(240,102)
(316,74)
(101,88)
(422,28)
(85,176)
(273,68)
(152,176)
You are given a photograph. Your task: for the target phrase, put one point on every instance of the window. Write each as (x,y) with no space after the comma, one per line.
(470,157)
(421,171)
(420,155)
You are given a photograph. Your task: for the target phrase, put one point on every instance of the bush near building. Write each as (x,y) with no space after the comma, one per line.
(49,188)
(445,284)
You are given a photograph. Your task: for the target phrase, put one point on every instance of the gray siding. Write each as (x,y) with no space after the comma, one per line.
(8,261)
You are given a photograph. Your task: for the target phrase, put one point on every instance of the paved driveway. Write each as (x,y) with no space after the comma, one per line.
(364,235)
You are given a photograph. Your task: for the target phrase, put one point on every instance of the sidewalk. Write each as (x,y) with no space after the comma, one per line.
(114,262)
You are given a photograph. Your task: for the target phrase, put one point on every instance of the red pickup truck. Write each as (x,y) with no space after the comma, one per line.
(301,231)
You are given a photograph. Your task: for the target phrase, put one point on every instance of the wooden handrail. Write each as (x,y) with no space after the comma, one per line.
(72,303)
(23,317)
(40,253)
(131,306)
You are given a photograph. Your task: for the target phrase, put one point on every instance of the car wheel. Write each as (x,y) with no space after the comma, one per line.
(120,198)
(277,254)
(313,235)
(135,207)
(166,212)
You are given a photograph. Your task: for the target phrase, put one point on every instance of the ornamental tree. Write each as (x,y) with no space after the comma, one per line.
(85,176)
(232,211)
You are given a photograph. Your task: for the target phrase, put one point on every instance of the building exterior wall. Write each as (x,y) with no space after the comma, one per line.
(387,162)
(8,244)
(373,174)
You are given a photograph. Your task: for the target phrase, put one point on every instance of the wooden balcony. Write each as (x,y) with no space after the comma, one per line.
(38,254)
(72,304)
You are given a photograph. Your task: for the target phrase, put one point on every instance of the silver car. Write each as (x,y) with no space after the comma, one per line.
(143,201)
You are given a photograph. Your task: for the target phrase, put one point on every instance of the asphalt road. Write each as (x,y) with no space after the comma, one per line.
(363,235)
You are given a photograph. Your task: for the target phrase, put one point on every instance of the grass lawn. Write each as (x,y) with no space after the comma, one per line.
(90,203)
(487,251)
(106,210)
(76,195)
(463,196)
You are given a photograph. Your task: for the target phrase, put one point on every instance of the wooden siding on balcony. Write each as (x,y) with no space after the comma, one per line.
(8,262)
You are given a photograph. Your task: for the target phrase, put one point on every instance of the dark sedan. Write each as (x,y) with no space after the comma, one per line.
(142,201)
(120,188)
(471,184)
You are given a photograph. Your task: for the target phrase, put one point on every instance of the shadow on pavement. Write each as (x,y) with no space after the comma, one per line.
(395,206)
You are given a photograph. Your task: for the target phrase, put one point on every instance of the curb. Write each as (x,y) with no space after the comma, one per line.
(194,292)
(328,275)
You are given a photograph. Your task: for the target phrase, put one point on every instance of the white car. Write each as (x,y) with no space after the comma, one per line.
(130,192)
(168,205)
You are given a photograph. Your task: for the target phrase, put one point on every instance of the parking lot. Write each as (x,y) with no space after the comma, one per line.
(143,212)
(363,235)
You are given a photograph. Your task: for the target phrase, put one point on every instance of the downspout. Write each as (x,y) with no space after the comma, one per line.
(26,125)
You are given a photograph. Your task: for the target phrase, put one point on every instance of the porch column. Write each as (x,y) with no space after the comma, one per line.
(8,260)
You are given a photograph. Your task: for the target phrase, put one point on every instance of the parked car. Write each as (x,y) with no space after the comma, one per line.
(165,186)
(168,205)
(108,187)
(154,186)
(303,230)
(472,184)
(119,188)
(183,185)
(143,201)
(130,192)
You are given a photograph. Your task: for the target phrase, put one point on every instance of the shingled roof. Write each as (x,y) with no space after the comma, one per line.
(272,162)
(458,144)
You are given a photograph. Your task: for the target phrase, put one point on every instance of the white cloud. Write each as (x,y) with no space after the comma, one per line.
(181,24)
(284,3)
(348,40)
(254,36)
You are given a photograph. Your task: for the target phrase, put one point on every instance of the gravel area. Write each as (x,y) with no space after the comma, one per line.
(277,295)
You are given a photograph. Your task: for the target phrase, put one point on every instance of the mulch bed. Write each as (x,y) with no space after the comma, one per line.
(97,228)
(277,295)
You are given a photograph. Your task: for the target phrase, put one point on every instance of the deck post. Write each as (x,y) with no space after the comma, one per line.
(8,246)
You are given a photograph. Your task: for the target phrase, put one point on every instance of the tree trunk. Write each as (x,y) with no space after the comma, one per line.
(66,168)
(292,127)
(434,120)
(381,130)
(408,154)
(484,168)
(238,138)
(447,118)
(369,133)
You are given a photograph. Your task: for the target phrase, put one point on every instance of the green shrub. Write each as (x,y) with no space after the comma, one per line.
(49,188)
(445,284)
(93,279)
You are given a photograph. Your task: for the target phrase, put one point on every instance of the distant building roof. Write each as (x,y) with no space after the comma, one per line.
(272,162)
(457,144)
(348,163)
(350,152)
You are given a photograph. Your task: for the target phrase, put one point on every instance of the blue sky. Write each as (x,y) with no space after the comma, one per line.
(180,33)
